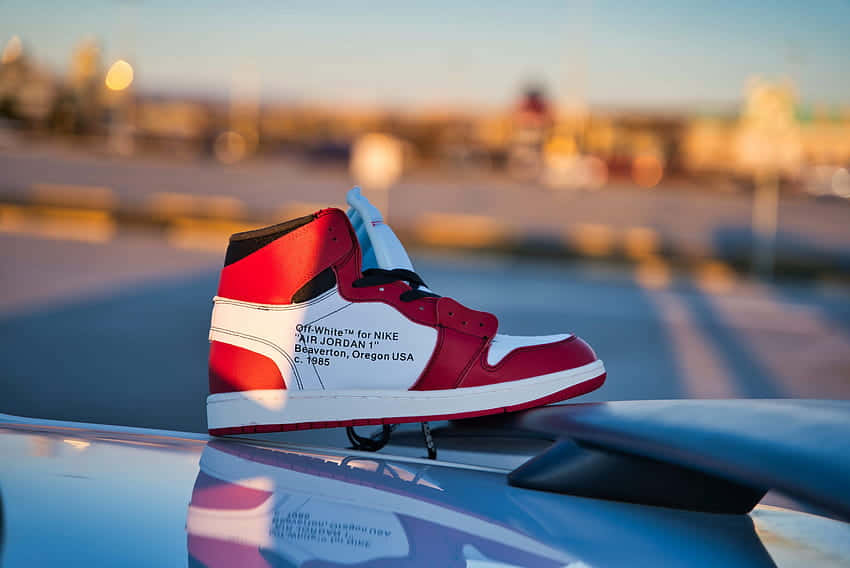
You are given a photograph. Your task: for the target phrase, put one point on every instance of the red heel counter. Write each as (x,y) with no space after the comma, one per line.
(233,369)
(273,273)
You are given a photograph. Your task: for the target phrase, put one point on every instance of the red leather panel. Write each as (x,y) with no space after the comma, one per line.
(452,357)
(421,311)
(274,273)
(531,361)
(216,553)
(213,493)
(453,315)
(233,369)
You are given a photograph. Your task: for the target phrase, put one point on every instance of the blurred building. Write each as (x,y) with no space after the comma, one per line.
(771,131)
(27,92)
(564,146)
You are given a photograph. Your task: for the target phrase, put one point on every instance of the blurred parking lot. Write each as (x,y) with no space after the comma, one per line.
(671,183)
(679,220)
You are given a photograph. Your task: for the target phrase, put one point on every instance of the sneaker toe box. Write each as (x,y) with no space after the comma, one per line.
(533,360)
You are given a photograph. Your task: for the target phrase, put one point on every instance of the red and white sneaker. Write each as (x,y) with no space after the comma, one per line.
(303,337)
(264,508)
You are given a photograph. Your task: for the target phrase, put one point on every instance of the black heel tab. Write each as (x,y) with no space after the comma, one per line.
(248,242)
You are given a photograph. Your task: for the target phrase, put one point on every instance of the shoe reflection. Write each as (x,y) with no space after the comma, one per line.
(261,507)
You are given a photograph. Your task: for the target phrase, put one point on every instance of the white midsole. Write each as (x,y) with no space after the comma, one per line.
(227,410)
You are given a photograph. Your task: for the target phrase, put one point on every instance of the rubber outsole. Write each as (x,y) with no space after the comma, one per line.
(569,392)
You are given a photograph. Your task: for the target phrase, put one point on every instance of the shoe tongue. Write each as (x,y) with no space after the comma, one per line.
(378,243)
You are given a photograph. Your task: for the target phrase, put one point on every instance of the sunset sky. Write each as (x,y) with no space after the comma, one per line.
(640,53)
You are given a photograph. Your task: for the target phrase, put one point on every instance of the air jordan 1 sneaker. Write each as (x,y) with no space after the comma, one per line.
(322,321)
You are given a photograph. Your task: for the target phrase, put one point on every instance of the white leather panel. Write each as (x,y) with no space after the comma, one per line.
(329,343)
(504,344)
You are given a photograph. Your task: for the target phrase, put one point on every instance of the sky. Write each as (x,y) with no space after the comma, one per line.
(639,53)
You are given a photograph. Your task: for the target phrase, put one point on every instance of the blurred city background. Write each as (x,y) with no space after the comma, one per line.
(670,180)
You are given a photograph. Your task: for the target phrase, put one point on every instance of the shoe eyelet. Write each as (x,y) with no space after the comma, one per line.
(381,289)
(480,324)
(463,323)
(451,313)
(421,308)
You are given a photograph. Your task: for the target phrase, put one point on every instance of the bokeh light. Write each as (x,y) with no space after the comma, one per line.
(119,76)
(377,161)
(13,50)
(230,147)
(647,170)
(841,183)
